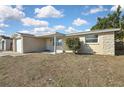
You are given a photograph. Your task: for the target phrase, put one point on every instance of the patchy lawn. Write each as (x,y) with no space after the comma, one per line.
(61,70)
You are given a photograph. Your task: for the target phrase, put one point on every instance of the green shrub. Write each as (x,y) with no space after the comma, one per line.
(73,44)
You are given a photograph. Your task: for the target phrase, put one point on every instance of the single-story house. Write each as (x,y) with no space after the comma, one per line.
(5,43)
(25,43)
(95,42)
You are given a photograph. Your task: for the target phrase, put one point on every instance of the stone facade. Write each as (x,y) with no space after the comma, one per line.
(104,46)
(108,44)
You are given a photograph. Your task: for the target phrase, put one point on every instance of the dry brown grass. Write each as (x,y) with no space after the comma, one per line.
(61,70)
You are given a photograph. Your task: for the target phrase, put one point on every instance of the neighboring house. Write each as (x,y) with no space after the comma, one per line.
(5,43)
(95,42)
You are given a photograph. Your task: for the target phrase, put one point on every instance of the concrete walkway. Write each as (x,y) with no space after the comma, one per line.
(10,53)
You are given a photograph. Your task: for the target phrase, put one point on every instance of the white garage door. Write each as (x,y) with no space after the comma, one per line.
(19,45)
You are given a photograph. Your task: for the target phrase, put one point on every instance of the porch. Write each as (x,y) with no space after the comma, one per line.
(54,43)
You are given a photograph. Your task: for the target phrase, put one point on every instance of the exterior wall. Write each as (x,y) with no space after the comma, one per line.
(32,44)
(1,44)
(8,45)
(49,44)
(109,44)
(105,45)
(93,48)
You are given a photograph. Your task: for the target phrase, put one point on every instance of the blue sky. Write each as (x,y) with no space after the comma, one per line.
(39,19)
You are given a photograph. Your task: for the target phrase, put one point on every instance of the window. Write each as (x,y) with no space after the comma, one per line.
(59,42)
(91,38)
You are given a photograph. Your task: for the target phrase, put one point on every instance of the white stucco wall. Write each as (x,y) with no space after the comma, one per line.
(49,44)
(8,44)
(33,44)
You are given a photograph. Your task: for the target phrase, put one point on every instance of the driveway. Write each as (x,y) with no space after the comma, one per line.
(10,53)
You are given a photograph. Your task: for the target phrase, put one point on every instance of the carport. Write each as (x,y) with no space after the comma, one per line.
(27,43)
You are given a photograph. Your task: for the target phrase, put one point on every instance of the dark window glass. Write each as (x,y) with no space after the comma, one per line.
(91,38)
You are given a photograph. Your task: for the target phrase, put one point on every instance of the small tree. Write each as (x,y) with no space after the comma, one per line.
(73,44)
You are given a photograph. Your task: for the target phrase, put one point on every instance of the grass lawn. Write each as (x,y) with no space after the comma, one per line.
(62,70)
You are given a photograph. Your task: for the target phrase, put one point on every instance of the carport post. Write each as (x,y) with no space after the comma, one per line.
(55,44)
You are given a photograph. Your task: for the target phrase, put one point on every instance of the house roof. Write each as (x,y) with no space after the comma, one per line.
(18,34)
(94,32)
(25,34)
(51,34)
(38,36)
(72,34)
(4,37)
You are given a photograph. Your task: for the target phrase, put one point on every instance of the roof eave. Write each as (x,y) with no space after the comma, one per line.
(94,32)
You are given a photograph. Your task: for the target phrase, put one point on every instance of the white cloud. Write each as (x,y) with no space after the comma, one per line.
(1,32)
(71,30)
(43,30)
(8,12)
(33,22)
(48,11)
(114,8)
(24,31)
(79,22)
(20,7)
(87,30)
(39,31)
(47,30)
(95,10)
(59,27)
(2,25)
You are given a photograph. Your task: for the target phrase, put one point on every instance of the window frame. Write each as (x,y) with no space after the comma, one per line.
(92,39)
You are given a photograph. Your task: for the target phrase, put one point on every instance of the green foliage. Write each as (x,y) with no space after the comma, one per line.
(119,36)
(113,20)
(110,21)
(122,22)
(73,44)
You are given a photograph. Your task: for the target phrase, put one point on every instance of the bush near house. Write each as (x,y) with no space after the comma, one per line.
(73,44)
